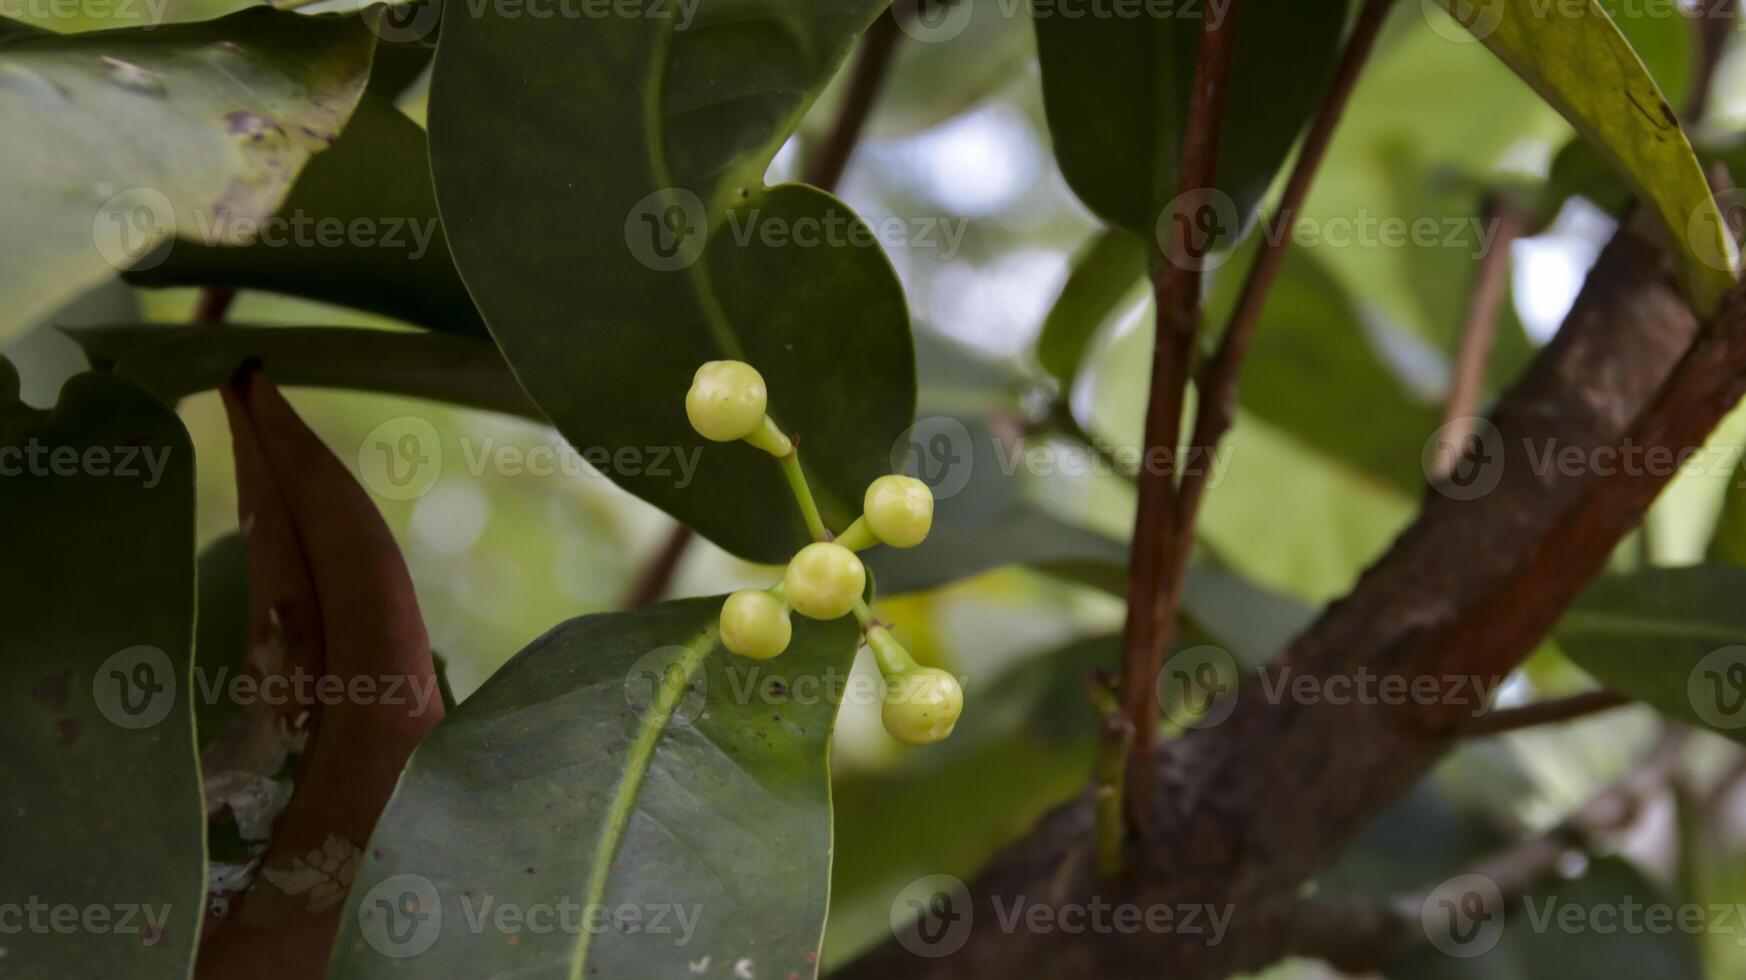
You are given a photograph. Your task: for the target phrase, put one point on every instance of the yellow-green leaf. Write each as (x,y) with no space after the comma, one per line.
(1580,63)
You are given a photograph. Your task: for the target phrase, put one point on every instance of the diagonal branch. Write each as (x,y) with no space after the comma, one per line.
(1462,596)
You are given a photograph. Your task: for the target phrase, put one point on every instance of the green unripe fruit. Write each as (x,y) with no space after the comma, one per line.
(921,705)
(755,624)
(727,400)
(899,510)
(824,581)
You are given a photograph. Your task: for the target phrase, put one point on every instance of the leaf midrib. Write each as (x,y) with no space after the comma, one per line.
(637,760)
(1593,623)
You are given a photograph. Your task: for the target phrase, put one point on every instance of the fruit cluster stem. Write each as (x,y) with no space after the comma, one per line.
(803,495)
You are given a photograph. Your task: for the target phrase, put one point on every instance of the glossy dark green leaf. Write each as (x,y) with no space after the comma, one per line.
(221,634)
(615,231)
(624,762)
(174,362)
(1116,91)
(359,229)
(1673,637)
(117,139)
(1580,63)
(1106,272)
(102,794)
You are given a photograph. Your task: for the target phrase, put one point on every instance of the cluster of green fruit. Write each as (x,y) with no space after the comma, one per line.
(825,580)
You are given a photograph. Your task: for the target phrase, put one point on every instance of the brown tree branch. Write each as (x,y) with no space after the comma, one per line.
(1462,596)
(1154,587)
(657,576)
(877,47)
(1479,327)
(213,304)
(1217,383)
(1545,713)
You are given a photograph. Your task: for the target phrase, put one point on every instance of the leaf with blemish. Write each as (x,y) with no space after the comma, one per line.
(376,173)
(613,227)
(1577,60)
(102,791)
(624,762)
(114,137)
(329,598)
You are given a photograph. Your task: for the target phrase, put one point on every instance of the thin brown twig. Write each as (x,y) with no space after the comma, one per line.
(1548,712)
(1217,384)
(213,304)
(1153,589)
(1479,327)
(657,576)
(877,47)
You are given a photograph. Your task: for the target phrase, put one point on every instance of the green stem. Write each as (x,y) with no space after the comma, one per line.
(769,438)
(858,537)
(803,495)
(1116,742)
(888,653)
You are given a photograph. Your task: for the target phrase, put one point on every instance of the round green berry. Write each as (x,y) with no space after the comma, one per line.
(824,581)
(921,705)
(900,510)
(755,624)
(727,400)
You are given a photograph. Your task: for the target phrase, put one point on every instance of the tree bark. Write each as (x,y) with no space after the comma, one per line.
(1244,812)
